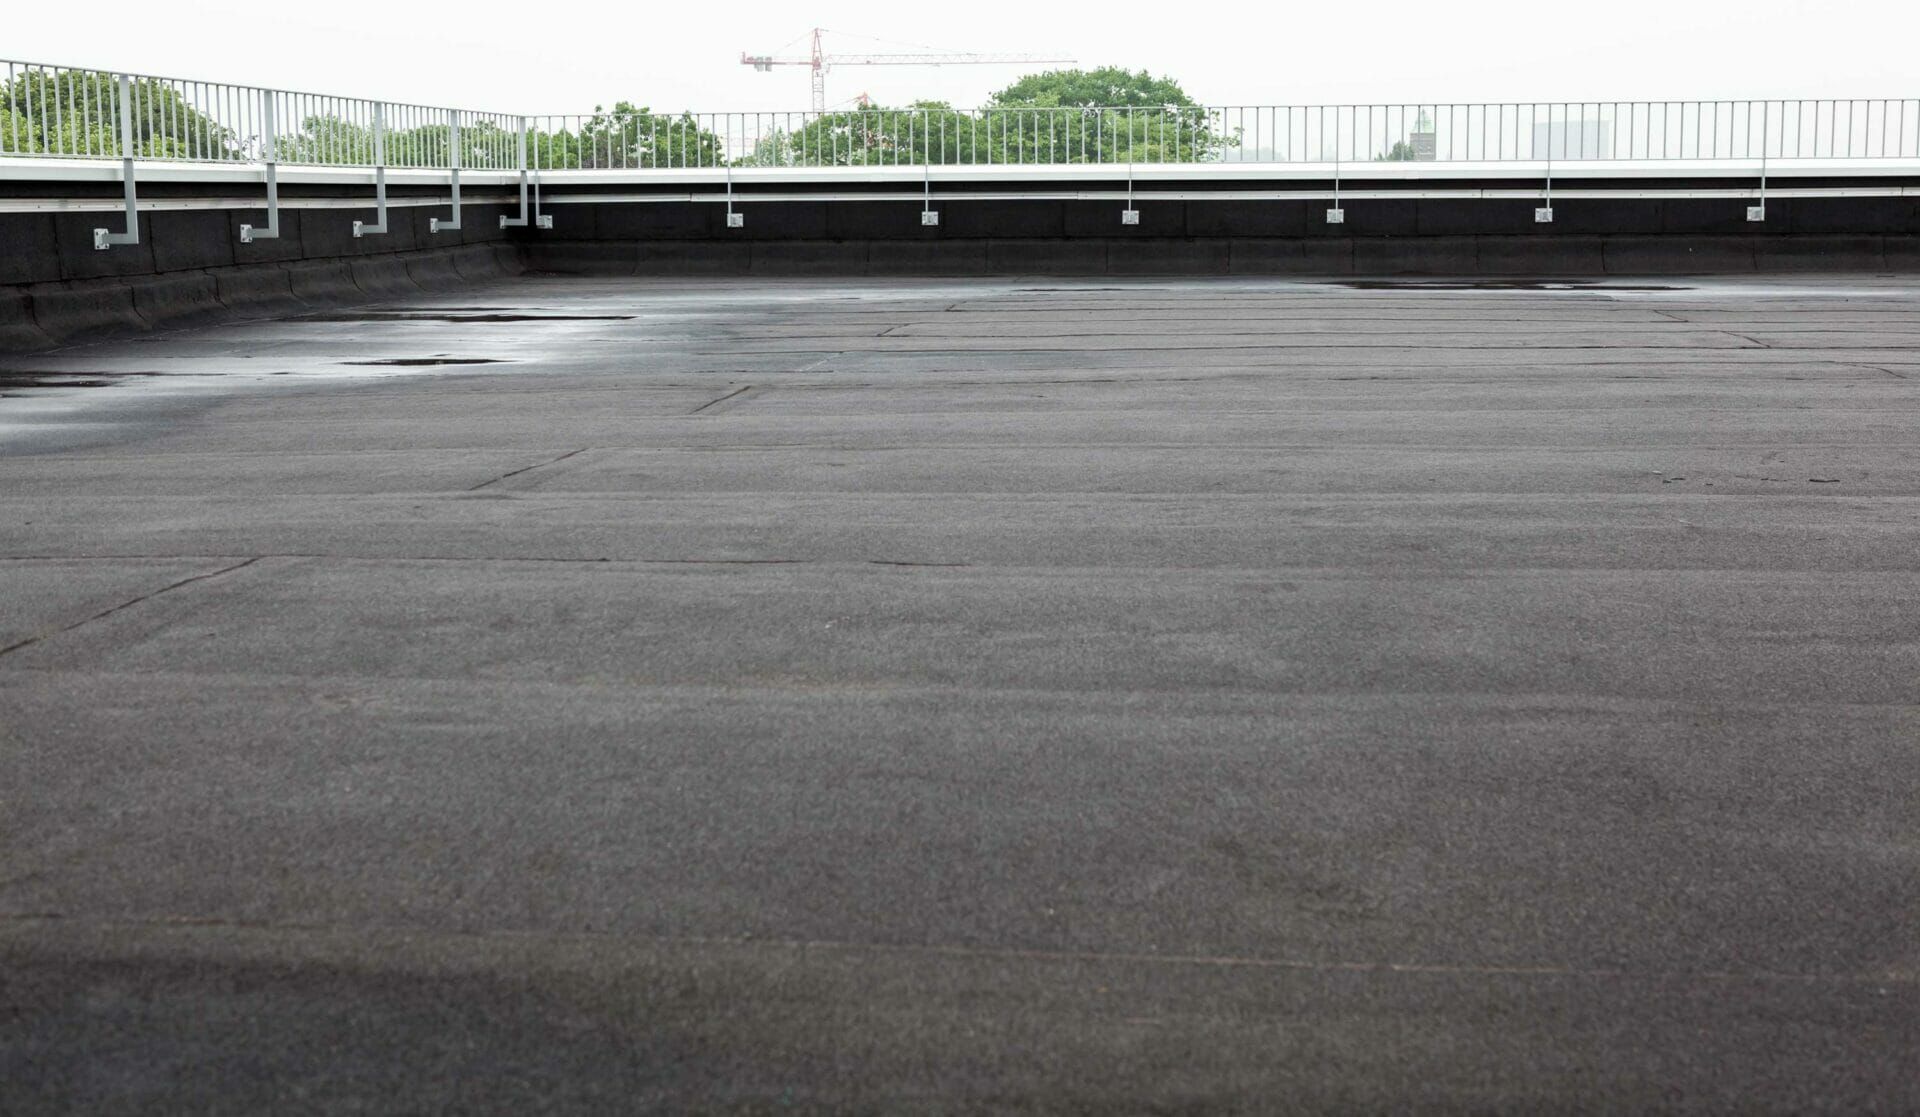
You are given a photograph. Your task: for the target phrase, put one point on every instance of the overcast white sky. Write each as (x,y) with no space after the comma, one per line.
(533,57)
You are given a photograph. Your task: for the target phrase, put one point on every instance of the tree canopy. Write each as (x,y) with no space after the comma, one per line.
(335,140)
(627,136)
(1109,115)
(77,112)
(1106,87)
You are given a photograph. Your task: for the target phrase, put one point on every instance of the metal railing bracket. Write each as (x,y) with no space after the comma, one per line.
(104,239)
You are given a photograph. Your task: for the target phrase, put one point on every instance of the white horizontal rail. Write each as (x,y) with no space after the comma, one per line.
(53,170)
(717,198)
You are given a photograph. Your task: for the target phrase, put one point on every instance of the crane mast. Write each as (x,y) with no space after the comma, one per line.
(819,61)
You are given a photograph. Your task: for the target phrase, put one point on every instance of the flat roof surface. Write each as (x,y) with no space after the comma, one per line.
(970,695)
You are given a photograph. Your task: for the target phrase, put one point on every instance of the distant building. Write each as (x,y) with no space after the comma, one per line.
(1426,147)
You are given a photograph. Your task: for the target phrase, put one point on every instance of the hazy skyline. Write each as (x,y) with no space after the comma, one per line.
(495,56)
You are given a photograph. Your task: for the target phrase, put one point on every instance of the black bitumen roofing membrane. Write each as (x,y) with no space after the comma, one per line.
(969,696)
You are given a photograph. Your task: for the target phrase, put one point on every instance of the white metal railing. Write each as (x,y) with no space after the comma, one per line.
(1786,130)
(64,112)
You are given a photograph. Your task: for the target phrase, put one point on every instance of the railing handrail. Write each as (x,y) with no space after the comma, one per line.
(992,107)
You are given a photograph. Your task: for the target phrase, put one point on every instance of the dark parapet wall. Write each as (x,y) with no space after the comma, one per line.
(1073,236)
(190,266)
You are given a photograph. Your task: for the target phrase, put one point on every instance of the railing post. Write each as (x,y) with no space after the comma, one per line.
(269,154)
(1759,212)
(928,215)
(1336,215)
(104,239)
(1543,214)
(434,224)
(361,228)
(520,222)
(535,217)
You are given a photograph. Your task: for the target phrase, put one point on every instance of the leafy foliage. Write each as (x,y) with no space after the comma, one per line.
(1106,87)
(873,136)
(337,141)
(628,137)
(1132,117)
(326,140)
(1063,116)
(77,112)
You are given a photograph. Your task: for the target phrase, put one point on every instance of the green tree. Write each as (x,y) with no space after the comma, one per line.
(1063,116)
(327,140)
(627,137)
(77,112)
(1106,115)
(926,131)
(333,140)
(1400,152)
(483,144)
(17,131)
(1108,87)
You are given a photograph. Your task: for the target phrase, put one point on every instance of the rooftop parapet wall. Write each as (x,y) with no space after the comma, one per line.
(190,264)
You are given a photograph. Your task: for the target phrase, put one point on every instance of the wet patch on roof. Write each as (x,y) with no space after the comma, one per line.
(1500,285)
(410,362)
(13,381)
(451,316)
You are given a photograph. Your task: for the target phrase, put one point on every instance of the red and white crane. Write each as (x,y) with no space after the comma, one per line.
(820,62)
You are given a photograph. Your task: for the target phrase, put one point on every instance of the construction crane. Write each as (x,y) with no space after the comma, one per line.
(820,62)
